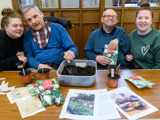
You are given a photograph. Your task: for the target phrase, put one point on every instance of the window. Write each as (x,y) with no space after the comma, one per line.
(90,3)
(49,4)
(69,3)
(154,2)
(23,3)
(113,3)
(132,3)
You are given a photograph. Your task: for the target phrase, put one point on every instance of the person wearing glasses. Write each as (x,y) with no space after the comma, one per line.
(110,35)
(11,40)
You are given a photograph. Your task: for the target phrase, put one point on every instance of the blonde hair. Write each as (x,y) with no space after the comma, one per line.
(145,6)
(8,13)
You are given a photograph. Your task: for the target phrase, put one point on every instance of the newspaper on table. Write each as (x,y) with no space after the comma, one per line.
(17,93)
(88,105)
(29,105)
(130,104)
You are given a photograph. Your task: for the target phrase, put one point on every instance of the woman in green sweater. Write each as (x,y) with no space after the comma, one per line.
(145,41)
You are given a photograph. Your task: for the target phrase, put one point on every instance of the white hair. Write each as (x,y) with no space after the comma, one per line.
(28,7)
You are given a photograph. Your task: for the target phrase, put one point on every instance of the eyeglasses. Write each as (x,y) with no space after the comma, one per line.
(108,16)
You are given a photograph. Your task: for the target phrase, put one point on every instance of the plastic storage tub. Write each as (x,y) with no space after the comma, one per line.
(80,81)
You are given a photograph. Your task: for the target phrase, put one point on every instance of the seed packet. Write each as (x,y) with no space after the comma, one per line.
(33,89)
(140,82)
(50,92)
(112,54)
(50,99)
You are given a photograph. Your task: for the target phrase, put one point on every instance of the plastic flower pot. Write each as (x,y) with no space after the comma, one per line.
(113,81)
(113,67)
(26,76)
(44,73)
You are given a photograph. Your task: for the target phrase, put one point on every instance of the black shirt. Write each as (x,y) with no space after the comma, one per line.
(8,50)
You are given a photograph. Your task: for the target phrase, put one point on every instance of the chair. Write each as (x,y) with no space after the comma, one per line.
(93,29)
(65,23)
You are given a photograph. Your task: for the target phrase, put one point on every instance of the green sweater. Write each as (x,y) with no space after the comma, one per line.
(146,49)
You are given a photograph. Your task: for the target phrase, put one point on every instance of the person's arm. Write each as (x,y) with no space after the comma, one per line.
(157,58)
(6,63)
(67,42)
(90,54)
(123,42)
(28,48)
(126,105)
(69,55)
(129,57)
(113,44)
(21,57)
(88,50)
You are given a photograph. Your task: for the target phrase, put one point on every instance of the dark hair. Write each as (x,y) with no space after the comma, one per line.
(144,6)
(8,13)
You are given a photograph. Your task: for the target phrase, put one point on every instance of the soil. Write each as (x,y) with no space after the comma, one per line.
(79,71)
(116,76)
(45,70)
(113,66)
(27,72)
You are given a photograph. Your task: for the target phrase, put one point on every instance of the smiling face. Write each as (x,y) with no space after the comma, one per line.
(109,18)
(15,28)
(34,19)
(144,22)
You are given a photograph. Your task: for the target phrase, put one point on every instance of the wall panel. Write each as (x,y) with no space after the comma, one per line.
(87,29)
(47,13)
(73,16)
(84,19)
(129,27)
(91,17)
(129,16)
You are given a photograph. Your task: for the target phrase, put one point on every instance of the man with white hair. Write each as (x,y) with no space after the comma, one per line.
(45,42)
(110,35)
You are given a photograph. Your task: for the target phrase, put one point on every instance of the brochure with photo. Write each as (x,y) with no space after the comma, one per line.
(130,104)
(89,105)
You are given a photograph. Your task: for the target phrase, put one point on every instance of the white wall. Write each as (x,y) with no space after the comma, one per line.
(4,4)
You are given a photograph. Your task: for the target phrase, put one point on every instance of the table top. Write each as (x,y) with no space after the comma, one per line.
(10,111)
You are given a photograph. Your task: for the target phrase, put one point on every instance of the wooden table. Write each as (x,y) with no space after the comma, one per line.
(152,95)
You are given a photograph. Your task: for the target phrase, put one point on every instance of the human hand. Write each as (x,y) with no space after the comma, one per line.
(69,55)
(20,53)
(102,60)
(129,58)
(126,104)
(113,44)
(40,66)
(22,58)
